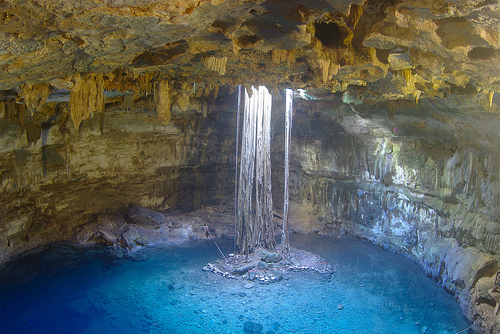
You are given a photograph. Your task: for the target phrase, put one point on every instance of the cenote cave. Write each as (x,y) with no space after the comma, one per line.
(260,166)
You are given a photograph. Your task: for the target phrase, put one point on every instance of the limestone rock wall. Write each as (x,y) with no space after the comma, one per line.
(55,178)
(427,189)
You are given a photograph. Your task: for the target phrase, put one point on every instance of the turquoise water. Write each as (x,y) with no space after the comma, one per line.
(164,290)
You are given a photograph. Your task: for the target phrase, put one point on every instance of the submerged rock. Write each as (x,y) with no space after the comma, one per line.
(251,327)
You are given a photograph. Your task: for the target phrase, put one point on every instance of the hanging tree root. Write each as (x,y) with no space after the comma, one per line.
(268,267)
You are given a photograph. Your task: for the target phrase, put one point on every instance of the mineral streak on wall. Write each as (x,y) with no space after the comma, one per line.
(163,100)
(426,190)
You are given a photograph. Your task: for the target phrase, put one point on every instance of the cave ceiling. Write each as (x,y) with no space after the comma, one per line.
(370,51)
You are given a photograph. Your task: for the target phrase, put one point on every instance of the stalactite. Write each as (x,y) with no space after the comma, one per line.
(216,64)
(183,101)
(324,65)
(490,97)
(9,109)
(417,94)
(355,12)
(163,101)
(87,97)
(279,56)
(182,98)
(33,132)
(35,96)
(290,58)
(215,91)
(407,76)
(145,83)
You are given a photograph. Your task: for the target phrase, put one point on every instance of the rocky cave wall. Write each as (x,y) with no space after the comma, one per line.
(416,179)
(56,178)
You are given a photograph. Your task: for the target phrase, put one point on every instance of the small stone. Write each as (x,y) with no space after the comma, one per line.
(251,327)
(248,286)
(276,275)
(242,294)
(424,329)
(262,265)
(340,307)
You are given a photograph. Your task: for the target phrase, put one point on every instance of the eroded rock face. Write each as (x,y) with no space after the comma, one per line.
(55,178)
(411,180)
(376,50)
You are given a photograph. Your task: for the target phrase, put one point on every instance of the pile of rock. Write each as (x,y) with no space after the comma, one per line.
(268,266)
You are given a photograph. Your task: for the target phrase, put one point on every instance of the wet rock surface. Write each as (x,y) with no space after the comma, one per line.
(268,266)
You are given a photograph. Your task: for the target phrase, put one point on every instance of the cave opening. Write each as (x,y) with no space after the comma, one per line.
(328,33)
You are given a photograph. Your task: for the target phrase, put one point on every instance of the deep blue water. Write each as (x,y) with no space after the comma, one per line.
(164,290)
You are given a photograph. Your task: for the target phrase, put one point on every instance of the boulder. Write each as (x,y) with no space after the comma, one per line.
(270,257)
(146,217)
(251,327)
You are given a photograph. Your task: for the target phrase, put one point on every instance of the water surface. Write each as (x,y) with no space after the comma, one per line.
(164,290)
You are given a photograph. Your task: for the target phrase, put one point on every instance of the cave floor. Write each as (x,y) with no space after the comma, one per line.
(164,290)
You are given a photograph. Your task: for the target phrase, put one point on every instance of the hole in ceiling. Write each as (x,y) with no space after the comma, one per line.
(383,55)
(328,33)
